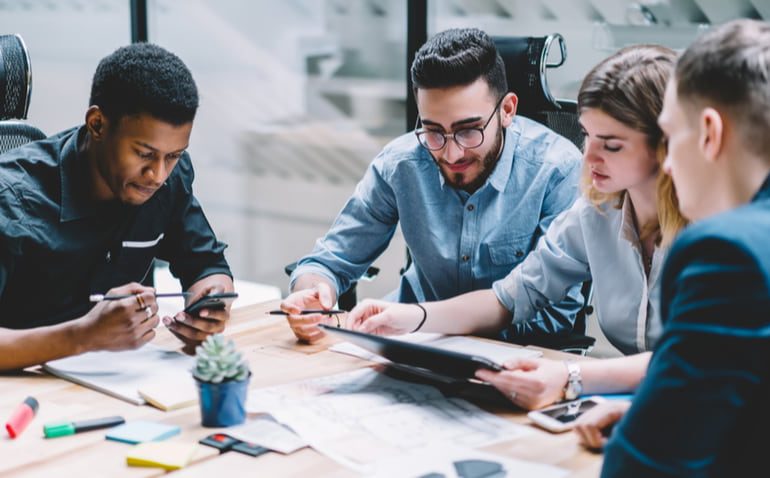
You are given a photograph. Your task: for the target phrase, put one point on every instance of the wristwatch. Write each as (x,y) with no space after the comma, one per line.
(574,386)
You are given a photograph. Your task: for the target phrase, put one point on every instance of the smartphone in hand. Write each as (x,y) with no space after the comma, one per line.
(561,417)
(211,301)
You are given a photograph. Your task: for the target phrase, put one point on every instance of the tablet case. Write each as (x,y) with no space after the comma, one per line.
(444,362)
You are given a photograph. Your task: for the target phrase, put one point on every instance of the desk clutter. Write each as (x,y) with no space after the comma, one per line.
(349,414)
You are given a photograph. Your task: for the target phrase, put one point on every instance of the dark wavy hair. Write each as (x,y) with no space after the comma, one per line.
(145,78)
(458,57)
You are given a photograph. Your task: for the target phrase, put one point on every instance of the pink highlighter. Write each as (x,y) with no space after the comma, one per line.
(21,417)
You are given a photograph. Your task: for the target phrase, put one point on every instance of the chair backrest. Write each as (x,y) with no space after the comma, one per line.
(526,64)
(15,94)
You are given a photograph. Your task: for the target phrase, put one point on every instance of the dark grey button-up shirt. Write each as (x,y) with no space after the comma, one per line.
(58,246)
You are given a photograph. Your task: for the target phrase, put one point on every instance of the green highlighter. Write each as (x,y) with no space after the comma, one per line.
(61,429)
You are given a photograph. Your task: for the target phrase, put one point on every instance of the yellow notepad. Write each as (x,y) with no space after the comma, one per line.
(170,395)
(166,455)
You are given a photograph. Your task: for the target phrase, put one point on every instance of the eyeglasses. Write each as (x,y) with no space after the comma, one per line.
(466,138)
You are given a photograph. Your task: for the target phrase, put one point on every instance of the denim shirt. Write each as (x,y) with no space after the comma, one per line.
(459,242)
(601,244)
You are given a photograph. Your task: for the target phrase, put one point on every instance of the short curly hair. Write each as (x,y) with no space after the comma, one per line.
(145,78)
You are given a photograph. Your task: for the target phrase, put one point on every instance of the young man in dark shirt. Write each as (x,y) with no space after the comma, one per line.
(87,210)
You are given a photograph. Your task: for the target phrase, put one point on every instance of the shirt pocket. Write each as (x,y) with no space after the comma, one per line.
(509,251)
(136,258)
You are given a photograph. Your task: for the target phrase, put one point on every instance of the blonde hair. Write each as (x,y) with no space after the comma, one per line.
(629,87)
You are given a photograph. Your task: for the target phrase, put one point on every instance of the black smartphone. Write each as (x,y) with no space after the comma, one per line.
(211,301)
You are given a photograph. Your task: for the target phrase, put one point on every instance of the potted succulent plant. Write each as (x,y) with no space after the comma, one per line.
(222,376)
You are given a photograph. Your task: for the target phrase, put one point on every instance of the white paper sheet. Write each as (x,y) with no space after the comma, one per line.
(122,374)
(360,417)
(269,434)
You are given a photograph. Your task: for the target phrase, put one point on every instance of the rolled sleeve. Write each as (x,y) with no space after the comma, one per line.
(550,272)
(360,232)
(314,268)
(505,291)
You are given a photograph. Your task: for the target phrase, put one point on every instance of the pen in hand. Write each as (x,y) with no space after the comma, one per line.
(101,297)
(308,312)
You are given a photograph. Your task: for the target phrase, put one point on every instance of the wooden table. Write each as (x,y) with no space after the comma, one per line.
(275,358)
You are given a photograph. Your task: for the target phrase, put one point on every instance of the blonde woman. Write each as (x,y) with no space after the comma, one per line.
(616,234)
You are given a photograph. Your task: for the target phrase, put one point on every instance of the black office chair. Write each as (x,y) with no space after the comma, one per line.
(15,93)
(526,65)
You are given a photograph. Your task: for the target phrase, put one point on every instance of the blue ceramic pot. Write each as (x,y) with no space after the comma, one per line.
(223,404)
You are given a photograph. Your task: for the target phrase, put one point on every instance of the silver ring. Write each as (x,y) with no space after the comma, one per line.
(512,396)
(148,311)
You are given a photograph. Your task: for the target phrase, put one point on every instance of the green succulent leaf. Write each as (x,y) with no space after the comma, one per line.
(217,360)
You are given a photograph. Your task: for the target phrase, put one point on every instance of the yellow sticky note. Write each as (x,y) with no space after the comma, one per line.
(170,395)
(166,455)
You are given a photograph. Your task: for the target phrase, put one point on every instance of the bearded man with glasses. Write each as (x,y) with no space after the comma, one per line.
(473,189)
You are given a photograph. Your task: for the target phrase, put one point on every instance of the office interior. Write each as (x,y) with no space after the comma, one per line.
(298,96)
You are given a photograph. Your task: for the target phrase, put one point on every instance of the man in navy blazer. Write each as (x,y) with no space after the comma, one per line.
(703,407)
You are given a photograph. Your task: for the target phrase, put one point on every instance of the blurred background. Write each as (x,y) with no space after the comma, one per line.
(297,96)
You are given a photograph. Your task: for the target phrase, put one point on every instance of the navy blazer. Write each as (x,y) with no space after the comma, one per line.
(703,408)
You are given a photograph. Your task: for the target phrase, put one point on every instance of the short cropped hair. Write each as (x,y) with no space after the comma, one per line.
(459,57)
(728,68)
(145,78)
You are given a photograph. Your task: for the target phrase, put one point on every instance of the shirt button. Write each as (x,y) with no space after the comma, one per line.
(519,253)
(108,257)
(470,207)
(465,258)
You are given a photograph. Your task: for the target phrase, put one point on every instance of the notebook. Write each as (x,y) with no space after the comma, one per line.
(123,374)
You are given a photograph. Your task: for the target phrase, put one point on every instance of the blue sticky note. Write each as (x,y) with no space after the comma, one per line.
(141,431)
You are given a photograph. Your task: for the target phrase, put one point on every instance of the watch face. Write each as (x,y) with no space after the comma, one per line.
(574,383)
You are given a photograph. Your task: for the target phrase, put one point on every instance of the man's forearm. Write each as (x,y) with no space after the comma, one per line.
(24,348)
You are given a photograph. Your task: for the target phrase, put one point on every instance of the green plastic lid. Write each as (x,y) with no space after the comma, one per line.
(59,429)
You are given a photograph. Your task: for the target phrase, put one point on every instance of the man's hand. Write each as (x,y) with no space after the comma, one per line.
(384,318)
(120,324)
(593,427)
(529,383)
(305,327)
(192,330)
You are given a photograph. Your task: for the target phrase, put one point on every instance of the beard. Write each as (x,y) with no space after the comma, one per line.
(488,163)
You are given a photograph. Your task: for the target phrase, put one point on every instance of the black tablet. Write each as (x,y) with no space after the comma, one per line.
(444,362)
